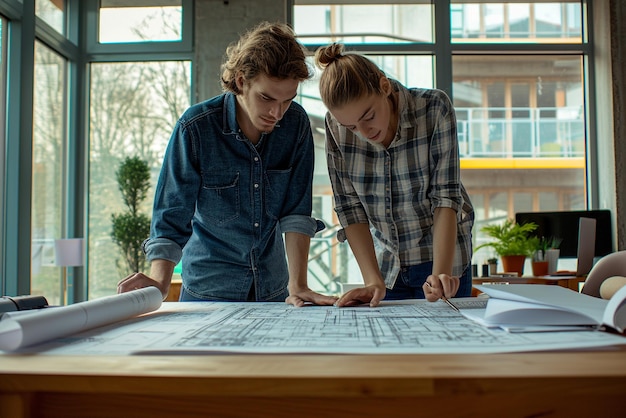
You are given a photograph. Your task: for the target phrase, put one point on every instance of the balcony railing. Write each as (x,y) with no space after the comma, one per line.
(521,132)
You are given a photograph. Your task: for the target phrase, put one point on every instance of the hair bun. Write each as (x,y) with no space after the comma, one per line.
(325,55)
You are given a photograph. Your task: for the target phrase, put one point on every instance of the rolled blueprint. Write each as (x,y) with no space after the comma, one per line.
(18,331)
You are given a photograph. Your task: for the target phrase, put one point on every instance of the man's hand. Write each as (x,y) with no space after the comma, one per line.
(299,297)
(371,294)
(139,280)
(440,285)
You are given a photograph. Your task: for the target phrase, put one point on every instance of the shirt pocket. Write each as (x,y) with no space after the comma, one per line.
(219,200)
(276,187)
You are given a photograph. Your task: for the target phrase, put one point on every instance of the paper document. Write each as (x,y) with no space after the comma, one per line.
(394,327)
(21,329)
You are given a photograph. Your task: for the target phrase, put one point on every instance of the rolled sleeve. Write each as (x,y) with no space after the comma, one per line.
(162,249)
(348,205)
(302,224)
(445,191)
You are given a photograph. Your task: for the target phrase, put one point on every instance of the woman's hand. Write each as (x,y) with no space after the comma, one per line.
(371,294)
(440,285)
(299,297)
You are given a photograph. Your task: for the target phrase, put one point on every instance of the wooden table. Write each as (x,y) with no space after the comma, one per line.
(567,384)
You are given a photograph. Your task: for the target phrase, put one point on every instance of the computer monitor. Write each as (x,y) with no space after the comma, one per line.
(565,225)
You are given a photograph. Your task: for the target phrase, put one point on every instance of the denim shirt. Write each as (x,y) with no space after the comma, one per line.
(222,203)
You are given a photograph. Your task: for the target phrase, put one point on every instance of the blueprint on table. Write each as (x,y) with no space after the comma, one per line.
(405,327)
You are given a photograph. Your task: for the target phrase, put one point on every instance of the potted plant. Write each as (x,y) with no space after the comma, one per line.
(493,265)
(512,242)
(539,261)
(131,228)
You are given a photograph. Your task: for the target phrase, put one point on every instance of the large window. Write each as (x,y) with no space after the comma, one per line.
(133,22)
(134,106)
(48,193)
(87,83)
(3,85)
(520,101)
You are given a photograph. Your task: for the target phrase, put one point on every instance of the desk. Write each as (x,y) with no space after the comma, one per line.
(567,384)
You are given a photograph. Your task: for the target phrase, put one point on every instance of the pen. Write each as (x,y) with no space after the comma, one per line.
(445,299)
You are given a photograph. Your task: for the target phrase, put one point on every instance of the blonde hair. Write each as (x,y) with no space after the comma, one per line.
(270,49)
(346,77)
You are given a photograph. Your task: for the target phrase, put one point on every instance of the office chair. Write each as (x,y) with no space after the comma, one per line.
(613,264)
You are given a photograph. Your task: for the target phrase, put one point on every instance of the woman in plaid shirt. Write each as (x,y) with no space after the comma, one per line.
(393,160)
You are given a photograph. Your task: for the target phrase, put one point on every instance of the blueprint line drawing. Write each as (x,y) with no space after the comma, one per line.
(404,327)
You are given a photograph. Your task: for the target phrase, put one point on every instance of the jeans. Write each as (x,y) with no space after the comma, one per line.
(411,279)
(185,296)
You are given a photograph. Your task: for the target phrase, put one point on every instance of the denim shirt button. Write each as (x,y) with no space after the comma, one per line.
(256,224)
(256,185)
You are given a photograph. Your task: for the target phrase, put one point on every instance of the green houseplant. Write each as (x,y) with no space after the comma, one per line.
(539,260)
(131,228)
(512,242)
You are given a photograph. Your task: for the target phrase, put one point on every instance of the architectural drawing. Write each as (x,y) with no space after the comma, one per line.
(407,327)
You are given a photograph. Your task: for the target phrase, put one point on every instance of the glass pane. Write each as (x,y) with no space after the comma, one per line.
(140,24)
(134,107)
(3,109)
(48,159)
(523,131)
(538,22)
(548,201)
(329,262)
(52,12)
(360,23)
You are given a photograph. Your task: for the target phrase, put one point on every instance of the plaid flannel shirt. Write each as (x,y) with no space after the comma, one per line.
(397,189)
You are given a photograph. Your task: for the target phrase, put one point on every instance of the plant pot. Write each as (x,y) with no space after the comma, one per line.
(540,268)
(513,264)
(552,256)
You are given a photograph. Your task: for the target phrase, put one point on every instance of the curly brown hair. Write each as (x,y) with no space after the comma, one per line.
(346,76)
(270,49)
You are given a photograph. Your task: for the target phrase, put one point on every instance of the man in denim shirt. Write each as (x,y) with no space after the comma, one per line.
(237,174)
